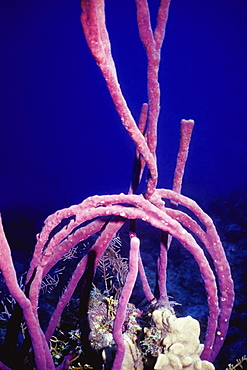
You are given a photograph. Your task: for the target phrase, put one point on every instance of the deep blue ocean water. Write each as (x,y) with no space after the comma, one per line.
(61,139)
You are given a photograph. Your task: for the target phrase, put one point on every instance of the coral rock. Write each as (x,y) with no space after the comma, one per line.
(179,346)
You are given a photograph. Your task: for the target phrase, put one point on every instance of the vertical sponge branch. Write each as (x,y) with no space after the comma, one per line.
(123,301)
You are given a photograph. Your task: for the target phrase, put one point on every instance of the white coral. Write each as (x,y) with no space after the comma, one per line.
(180,345)
(132,356)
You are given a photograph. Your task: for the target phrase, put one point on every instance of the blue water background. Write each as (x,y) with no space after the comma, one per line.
(61,139)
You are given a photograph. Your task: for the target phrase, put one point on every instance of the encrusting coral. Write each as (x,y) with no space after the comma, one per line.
(179,343)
